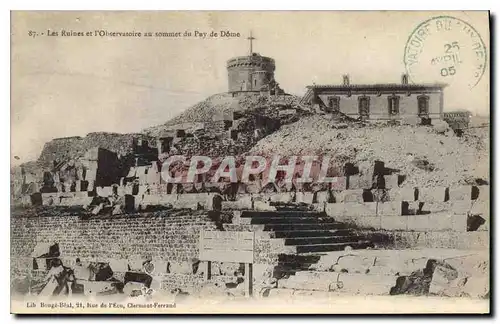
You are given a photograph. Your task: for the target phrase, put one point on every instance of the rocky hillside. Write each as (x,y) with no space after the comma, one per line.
(427,155)
(217,106)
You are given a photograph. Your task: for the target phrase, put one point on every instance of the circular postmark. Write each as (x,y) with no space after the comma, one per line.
(445,49)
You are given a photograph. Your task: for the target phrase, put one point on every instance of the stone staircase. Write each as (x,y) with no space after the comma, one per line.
(300,230)
(306,231)
(301,238)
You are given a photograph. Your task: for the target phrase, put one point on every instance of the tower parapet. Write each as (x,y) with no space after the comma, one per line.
(250,73)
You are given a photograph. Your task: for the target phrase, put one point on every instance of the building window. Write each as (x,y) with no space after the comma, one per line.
(393,105)
(364,106)
(333,104)
(423,105)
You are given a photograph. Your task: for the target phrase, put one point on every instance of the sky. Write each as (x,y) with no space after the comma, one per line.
(71,85)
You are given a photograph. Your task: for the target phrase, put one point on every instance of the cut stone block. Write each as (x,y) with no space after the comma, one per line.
(336,196)
(150,200)
(322,196)
(477,287)
(360,209)
(394,223)
(121,191)
(381,195)
(391,181)
(242,204)
(460,206)
(236,220)
(452,207)
(153,177)
(128,190)
(418,223)
(335,209)
(433,207)
(346,283)
(340,183)
(118,265)
(263,206)
(284,197)
(304,197)
(143,189)
(389,208)
(104,191)
(361,284)
(434,194)
(411,207)
(459,223)
(364,222)
(304,284)
(460,193)
(78,185)
(360,181)
(353,182)
(441,280)
(483,193)
(188,201)
(49,199)
(319,207)
(353,263)
(165,199)
(351,196)
(402,194)
(480,208)
(437,222)
(442,221)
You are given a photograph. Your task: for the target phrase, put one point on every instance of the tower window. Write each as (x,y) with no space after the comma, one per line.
(393,105)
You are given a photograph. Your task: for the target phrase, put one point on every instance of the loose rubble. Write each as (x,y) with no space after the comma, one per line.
(429,159)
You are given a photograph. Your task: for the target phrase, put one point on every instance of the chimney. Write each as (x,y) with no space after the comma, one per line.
(345,77)
(404,78)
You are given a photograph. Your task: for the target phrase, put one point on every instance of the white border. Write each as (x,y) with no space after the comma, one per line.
(182,5)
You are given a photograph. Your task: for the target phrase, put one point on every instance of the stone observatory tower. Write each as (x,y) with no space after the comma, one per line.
(251,73)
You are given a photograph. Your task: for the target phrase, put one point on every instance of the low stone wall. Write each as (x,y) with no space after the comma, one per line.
(159,236)
(430,239)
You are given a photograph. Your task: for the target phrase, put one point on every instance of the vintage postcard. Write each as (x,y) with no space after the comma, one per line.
(245,162)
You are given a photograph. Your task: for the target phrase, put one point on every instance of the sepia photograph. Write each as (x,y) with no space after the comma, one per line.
(250,162)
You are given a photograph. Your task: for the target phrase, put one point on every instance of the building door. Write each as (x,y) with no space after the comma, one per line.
(364,107)
(393,106)
(423,106)
(333,104)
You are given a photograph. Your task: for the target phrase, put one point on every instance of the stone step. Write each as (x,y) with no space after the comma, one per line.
(310,233)
(283,220)
(351,284)
(298,258)
(281,213)
(332,246)
(302,226)
(323,240)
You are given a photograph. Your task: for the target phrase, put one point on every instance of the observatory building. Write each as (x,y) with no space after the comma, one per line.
(251,73)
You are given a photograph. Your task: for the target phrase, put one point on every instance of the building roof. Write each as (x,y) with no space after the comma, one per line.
(371,87)
(377,86)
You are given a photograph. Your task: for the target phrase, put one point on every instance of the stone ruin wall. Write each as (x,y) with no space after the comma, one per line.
(71,147)
(171,241)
